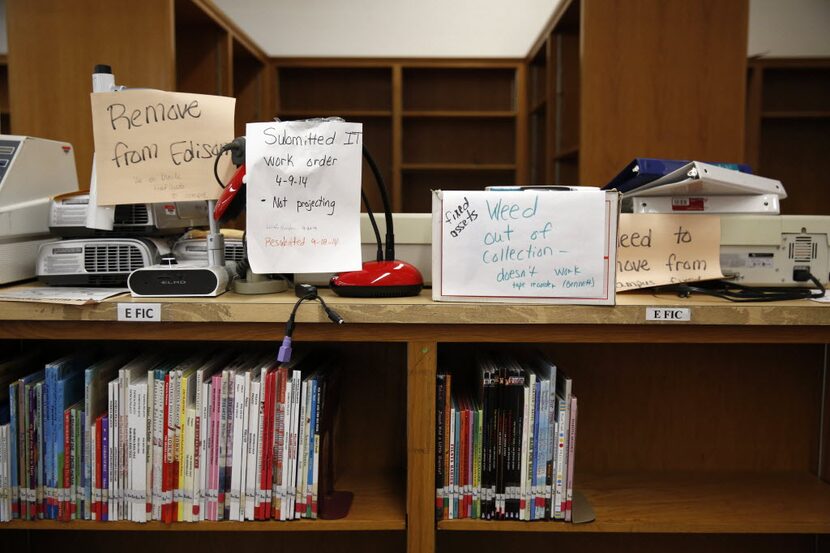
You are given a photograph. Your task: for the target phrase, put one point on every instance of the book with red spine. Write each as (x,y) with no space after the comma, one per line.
(279,442)
(216,413)
(268,443)
(166,505)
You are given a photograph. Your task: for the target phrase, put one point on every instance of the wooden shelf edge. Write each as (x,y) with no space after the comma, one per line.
(379,506)
(541,105)
(795,114)
(210,526)
(459,114)
(334,113)
(567,153)
(458,167)
(785,503)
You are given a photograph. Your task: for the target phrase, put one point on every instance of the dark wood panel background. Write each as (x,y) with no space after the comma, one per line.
(661,79)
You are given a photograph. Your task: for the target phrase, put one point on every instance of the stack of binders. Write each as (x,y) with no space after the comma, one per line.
(666,186)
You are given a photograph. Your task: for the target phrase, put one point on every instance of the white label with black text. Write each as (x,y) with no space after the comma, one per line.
(668,314)
(139,312)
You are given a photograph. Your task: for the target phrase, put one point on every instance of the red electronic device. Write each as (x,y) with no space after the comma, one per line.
(229,193)
(386,277)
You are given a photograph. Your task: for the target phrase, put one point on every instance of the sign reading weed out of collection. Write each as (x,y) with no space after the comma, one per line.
(156,146)
(303,196)
(531,246)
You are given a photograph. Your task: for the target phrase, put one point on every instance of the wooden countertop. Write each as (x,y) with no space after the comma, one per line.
(275,308)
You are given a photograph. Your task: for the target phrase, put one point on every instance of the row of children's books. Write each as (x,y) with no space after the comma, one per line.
(160,436)
(505,440)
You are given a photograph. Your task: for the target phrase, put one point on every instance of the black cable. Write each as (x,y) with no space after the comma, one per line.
(739,293)
(284,354)
(374,224)
(387,207)
(224,149)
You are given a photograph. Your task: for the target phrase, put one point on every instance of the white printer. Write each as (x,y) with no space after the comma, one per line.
(32,171)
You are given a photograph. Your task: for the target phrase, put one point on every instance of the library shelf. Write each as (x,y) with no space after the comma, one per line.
(449,114)
(757,367)
(328,112)
(379,505)
(457,166)
(710,503)
(571,152)
(796,114)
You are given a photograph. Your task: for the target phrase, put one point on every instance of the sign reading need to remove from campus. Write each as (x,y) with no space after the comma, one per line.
(529,246)
(303,196)
(156,146)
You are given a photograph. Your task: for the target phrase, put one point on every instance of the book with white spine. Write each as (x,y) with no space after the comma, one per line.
(253,446)
(282,489)
(113,472)
(237,424)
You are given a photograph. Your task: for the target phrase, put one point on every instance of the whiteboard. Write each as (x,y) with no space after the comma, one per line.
(529,246)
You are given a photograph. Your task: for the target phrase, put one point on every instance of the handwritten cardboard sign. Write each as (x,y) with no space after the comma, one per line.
(303,196)
(657,249)
(524,246)
(156,146)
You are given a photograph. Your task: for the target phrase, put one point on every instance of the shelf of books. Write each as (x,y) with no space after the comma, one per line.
(416,423)
(688,503)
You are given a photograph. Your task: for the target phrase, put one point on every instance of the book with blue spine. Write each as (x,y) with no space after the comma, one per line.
(53,422)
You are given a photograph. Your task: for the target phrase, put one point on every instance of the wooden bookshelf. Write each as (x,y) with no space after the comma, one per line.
(184,45)
(379,506)
(5,112)
(617,82)
(788,128)
(437,116)
(650,461)
(786,503)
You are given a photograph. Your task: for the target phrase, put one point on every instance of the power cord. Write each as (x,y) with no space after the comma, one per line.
(305,292)
(739,293)
(237,149)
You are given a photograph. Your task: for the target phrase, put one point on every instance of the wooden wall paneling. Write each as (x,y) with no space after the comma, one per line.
(521,137)
(202,57)
(568,93)
(53,47)
(661,79)
(754,99)
(418,184)
(478,142)
(550,113)
(824,439)
(420,438)
(796,86)
(323,90)
(753,408)
(397,138)
(459,89)
(793,151)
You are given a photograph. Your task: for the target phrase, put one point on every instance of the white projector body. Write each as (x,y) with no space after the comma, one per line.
(94,261)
